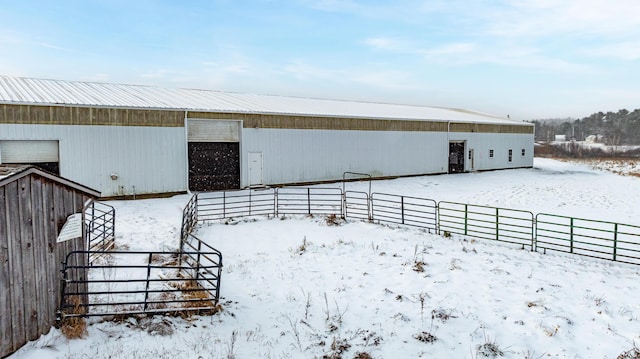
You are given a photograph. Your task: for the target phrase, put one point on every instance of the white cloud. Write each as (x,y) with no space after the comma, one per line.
(54,47)
(304,71)
(384,43)
(155,74)
(628,51)
(453,49)
(231,67)
(10,37)
(535,18)
(99,77)
(394,80)
(335,5)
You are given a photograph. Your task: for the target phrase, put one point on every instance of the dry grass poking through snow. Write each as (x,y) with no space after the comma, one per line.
(74,327)
(621,166)
(633,353)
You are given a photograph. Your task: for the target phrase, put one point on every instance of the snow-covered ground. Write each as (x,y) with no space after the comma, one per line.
(302,288)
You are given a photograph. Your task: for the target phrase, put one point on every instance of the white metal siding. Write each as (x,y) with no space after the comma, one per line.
(315,155)
(145,159)
(28,151)
(500,143)
(213,131)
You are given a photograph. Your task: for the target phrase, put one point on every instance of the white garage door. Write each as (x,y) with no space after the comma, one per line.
(213,131)
(28,151)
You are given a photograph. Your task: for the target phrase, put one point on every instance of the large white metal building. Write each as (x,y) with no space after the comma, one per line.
(135,140)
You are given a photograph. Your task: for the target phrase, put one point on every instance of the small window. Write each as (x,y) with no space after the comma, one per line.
(510,155)
(490,153)
(523,151)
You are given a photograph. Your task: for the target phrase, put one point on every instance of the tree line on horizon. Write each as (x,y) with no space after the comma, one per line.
(610,128)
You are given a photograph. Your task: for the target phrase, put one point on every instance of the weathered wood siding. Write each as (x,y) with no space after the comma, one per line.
(70,115)
(358,124)
(32,212)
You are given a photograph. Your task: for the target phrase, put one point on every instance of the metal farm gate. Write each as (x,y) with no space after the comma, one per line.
(130,282)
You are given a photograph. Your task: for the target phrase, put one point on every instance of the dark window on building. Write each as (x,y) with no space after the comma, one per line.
(490,153)
(510,155)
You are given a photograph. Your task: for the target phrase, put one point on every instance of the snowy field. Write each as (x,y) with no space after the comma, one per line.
(300,287)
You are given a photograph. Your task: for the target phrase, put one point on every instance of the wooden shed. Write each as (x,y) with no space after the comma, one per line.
(34,206)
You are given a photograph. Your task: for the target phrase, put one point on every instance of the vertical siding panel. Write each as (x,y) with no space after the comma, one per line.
(6,291)
(29,273)
(15,266)
(42,277)
(63,208)
(52,263)
(58,217)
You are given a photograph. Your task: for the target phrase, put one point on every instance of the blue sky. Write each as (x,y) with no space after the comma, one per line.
(530,59)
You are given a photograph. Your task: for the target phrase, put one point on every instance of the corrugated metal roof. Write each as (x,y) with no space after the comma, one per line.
(19,90)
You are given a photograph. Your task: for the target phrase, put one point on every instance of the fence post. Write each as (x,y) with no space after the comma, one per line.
(370,205)
(275,202)
(146,290)
(309,201)
(466,211)
(198,260)
(571,235)
(195,209)
(63,289)
(402,208)
(534,233)
(436,218)
(615,240)
(497,224)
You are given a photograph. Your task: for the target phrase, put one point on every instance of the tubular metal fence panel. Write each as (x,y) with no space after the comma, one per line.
(100,225)
(309,201)
(221,205)
(592,238)
(607,240)
(100,221)
(200,258)
(130,282)
(189,218)
(356,205)
(411,211)
(501,224)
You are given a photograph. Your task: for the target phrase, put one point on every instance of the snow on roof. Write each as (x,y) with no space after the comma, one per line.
(19,90)
(8,170)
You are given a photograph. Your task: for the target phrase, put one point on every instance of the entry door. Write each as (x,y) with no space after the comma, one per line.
(255,168)
(456,157)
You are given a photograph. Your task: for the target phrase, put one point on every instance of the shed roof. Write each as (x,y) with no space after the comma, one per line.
(20,90)
(9,173)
